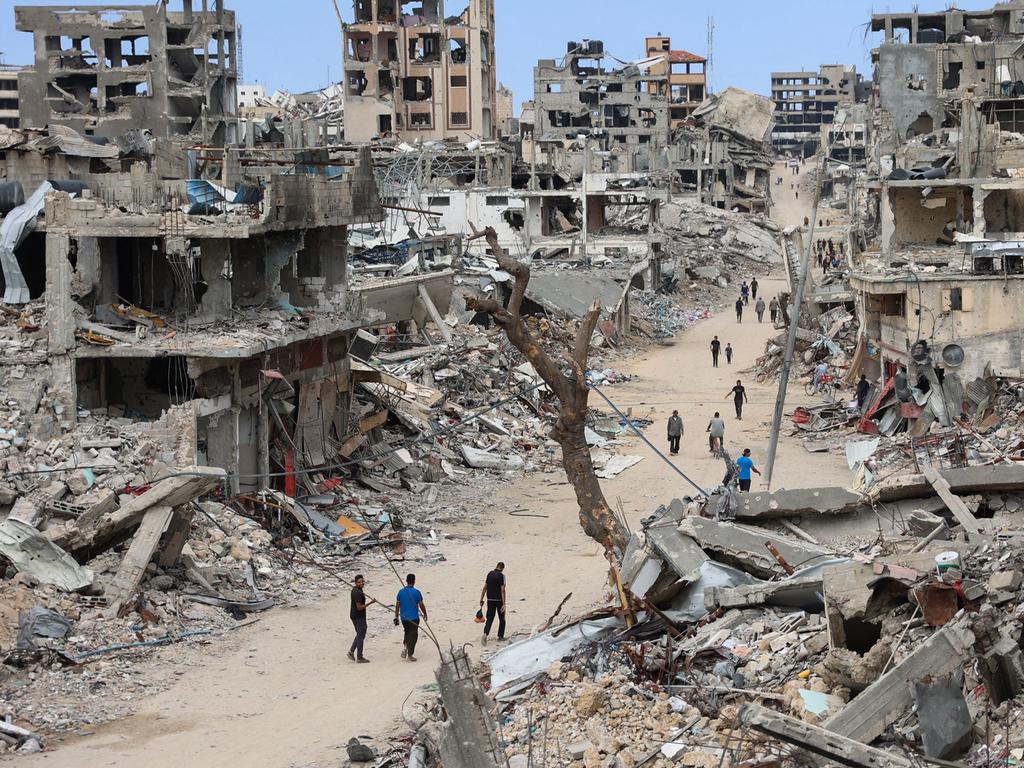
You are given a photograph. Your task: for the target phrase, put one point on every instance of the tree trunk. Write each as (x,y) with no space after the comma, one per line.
(596,516)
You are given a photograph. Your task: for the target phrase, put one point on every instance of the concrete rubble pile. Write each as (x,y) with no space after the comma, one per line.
(829,337)
(744,638)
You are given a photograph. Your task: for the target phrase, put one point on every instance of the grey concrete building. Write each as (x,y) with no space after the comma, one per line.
(10,115)
(620,110)
(807,101)
(105,69)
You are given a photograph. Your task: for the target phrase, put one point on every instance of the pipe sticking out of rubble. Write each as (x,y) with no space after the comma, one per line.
(794,324)
(642,436)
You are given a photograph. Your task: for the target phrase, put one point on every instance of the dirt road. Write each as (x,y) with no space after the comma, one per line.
(282,692)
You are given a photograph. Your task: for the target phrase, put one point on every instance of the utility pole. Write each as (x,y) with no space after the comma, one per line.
(710,67)
(794,321)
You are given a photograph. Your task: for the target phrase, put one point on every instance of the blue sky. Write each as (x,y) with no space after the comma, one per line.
(296,45)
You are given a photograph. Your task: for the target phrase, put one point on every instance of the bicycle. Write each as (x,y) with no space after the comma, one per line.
(716,446)
(827,386)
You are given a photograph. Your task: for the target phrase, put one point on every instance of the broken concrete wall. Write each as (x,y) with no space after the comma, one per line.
(908,93)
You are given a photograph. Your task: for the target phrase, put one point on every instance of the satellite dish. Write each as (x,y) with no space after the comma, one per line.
(919,352)
(953,355)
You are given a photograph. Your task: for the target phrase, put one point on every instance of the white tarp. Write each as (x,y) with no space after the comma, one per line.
(13,230)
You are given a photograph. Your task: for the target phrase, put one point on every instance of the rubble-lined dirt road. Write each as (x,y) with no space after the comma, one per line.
(283,693)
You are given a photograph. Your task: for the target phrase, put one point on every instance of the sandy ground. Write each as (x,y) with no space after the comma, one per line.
(283,694)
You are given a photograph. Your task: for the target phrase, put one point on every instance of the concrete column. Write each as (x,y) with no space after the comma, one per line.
(60,319)
(263,443)
(216,302)
(980,228)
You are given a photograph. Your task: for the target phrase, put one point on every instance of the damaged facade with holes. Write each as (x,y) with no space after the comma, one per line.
(108,69)
(941,274)
(422,70)
(806,104)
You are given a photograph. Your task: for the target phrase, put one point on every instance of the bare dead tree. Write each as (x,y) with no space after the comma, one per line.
(567,380)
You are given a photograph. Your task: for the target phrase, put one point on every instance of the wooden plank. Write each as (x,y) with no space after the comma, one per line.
(952,501)
(177,536)
(434,314)
(820,741)
(351,444)
(133,566)
(883,702)
(373,421)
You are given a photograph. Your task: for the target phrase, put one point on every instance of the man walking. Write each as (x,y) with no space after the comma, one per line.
(746,465)
(357,612)
(753,288)
(739,396)
(494,592)
(409,606)
(675,433)
(863,387)
(716,433)
(759,308)
(739,310)
(745,292)
(728,353)
(773,309)
(716,348)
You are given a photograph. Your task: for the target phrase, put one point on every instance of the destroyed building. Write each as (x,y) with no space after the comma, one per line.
(941,274)
(420,71)
(10,115)
(622,111)
(687,77)
(807,101)
(105,71)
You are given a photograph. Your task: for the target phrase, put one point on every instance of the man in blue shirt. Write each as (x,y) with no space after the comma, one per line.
(408,607)
(746,465)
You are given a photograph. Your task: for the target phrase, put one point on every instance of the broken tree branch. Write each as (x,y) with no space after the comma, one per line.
(596,516)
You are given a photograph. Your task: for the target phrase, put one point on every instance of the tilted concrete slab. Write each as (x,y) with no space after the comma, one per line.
(744,546)
(679,552)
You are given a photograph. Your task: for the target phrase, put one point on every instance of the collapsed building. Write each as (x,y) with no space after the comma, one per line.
(414,70)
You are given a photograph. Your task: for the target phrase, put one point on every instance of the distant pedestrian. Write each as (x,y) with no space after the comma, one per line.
(746,466)
(745,292)
(753,288)
(494,593)
(716,432)
(728,353)
(739,310)
(716,348)
(739,396)
(675,433)
(357,613)
(797,193)
(759,308)
(773,309)
(863,387)
(409,606)
(820,372)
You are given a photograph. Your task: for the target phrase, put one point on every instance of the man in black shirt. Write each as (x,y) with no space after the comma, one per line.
(716,348)
(494,593)
(739,396)
(357,612)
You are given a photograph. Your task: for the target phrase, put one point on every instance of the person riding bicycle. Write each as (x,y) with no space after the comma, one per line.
(716,430)
(820,373)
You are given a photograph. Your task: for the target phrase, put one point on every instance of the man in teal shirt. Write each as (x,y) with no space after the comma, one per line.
(408,607)
(746,465)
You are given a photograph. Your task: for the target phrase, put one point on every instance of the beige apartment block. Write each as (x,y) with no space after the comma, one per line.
(419,70)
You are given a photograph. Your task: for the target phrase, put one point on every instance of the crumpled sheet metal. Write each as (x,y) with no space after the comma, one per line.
(32,553)
(517,664)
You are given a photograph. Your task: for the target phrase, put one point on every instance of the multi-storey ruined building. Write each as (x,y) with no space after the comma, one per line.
(10,114)
(807,101)
(941,280)
(203,290)
(623,111)
(104,70)
(419,70)
(687,77)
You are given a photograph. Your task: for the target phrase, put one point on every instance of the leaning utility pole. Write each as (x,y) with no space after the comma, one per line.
(794,321)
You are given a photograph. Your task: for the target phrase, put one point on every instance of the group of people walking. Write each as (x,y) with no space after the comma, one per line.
(827,255)
(410,610)
(748,292)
